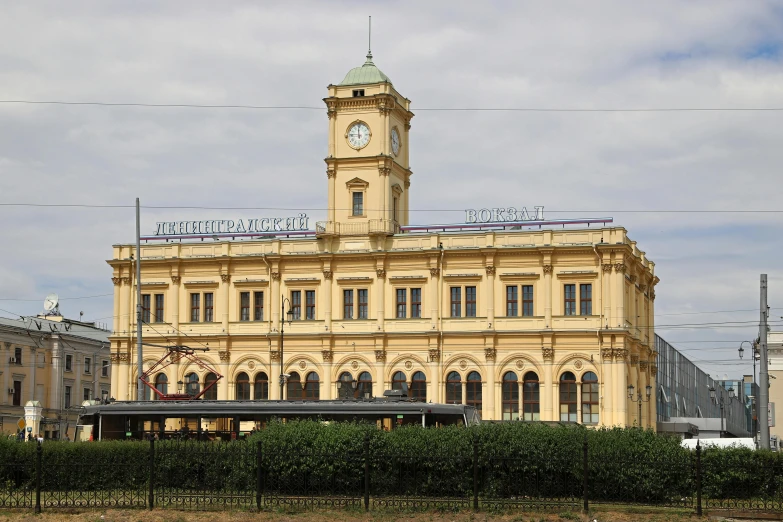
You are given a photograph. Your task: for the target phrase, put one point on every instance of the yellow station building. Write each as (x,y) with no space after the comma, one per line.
(524,322)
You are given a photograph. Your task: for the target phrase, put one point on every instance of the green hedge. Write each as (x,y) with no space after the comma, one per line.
(515,460)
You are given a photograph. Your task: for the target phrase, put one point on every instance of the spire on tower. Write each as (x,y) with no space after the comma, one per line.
(369,42)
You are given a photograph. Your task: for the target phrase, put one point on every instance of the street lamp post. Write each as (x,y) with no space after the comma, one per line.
(721,402)
(283,314)
(753,415)
(639,399)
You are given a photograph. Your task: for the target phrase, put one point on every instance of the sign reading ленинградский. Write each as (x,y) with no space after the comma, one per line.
(502,215)
(230,226)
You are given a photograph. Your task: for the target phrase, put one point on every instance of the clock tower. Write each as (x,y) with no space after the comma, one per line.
(367,165)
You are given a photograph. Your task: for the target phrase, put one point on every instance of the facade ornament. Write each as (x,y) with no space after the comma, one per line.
(548,353)
(434,354)
(434,272)
(548,269)
(643,366)
(330,173)
(653,370)
(632,278)
(634,360)
(251,365)
(619,267)
(652,295)
(380,355)
(124,357)
(490,353)
(463,364)
(302,365)
(116,280)
(225,356)
(275,276)
(490,270)
(607,354)
(381,273)
(354,365)
(328,355)
(115,358)
(578,364)
(384,171)
(407,183)
(407,124)
(328,274)
(176,279)
(126,280)
(225,278)
(520,364)
(642,287)
(175,357)
(620,354)
(408,365)
(606,267)
(274,355)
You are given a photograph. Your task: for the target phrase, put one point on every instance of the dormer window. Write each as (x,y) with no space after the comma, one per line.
(358,92)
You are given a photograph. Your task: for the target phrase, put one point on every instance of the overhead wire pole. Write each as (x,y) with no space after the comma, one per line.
(139,363)
(763,403)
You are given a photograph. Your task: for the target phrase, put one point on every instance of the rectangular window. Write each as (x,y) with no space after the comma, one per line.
(87,363)
(296,304)
(527,300)
(358,203)
(104,368)
(585,299)
(69,363)
(402,303)
(258,306)
(159,308)
(358,93)
(244,306)
(456,301)
(18,356)
(347,304)
(67,397)
(570,299)
(512,301)
(145,308)
(363,307)
(209,307)
(17,397)
(415,303)
(310,297)
(394,209)
(195,307)
(87,394)
(470,301)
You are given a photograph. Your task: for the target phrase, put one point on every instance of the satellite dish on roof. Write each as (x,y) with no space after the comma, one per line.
(51,302)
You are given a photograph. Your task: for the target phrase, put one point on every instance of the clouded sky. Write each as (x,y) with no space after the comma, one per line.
(449,54)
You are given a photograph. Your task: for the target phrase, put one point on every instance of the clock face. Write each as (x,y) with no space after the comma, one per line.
(358,135)
(395,141)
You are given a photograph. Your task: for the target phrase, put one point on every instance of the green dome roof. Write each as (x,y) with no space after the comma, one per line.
(367,73)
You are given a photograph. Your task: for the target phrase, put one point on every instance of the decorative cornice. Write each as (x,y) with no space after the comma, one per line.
(328,355)
(490,354)
(381,273)
(116,280)
(275,276)
(434,354)
(548,353)
(380,355)
(634,360)
(606,267)
(225,278)
(490,270)
(328,274)
(434,272)
(176,279)
(548,269)
(225,356)
(620,267)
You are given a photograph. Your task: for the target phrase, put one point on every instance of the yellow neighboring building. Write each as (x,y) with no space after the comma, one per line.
(546,324)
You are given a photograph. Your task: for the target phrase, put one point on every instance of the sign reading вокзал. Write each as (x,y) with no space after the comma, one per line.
(502,215)
(231,226)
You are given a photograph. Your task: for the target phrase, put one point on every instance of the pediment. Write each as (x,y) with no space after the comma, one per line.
(357,183)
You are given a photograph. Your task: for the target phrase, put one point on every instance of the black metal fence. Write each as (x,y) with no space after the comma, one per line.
(244,475)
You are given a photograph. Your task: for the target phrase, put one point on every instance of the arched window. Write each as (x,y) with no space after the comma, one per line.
(567,397)
(345,389)
(162,383)
(531,403)
(312,387)
(261,387)
(510,396)
(399,382)
(453,388)
(211,393)
(243,387)
(590,398)
(419,386)
(364,389)
(473,390)
(294,388)
(191,384)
